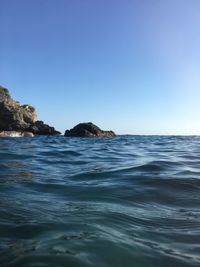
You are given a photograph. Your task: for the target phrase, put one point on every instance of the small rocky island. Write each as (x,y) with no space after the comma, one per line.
(20,120)
(88,130)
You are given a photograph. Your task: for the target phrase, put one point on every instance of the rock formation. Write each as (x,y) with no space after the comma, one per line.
(88,130)
(17,117)
(15,134)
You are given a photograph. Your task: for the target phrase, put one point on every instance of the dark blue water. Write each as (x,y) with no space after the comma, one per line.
(120,202)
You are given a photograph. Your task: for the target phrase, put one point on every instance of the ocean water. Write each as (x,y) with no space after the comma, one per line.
(104,202)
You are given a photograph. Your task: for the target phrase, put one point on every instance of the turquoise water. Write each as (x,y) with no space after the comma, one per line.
(120,202)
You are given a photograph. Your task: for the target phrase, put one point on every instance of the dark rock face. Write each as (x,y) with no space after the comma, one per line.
(17,117)
(88,130)
(39,127)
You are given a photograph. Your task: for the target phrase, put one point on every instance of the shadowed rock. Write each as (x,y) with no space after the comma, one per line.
(17,117)
(88,130)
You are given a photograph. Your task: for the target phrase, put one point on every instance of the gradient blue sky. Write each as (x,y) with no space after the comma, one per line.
(132,66)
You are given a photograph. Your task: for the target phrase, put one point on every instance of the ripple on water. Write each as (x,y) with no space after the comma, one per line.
(125,201)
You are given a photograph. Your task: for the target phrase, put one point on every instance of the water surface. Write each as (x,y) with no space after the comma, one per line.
(106,202)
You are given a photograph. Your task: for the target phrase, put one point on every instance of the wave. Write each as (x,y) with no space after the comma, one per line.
(131,200)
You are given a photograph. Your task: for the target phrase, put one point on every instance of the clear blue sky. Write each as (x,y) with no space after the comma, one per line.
(132,66)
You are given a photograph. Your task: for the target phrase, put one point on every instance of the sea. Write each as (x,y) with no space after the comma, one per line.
(128,201)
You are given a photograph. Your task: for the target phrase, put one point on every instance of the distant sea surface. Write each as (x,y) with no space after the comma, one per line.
(129,201)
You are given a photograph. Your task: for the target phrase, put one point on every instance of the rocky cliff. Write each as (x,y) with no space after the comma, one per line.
(17,117)
(88,130)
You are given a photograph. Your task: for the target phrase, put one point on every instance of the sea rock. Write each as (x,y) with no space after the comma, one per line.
(39,127)
(17,117)
(88,130)
(15,134)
